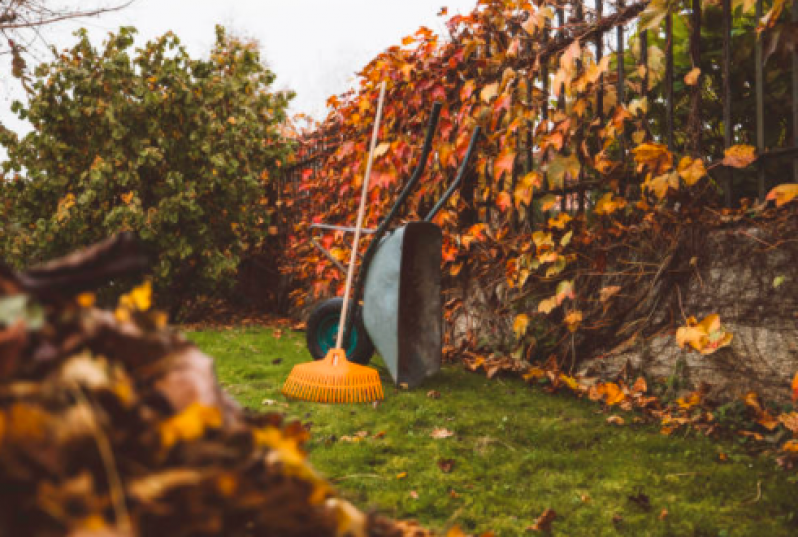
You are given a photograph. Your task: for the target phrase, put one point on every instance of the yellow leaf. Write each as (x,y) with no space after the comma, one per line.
(751,399)
(783,193)
(520,325)
(661,184)
(573,320)
(489,92)
(607,205)
(655,157)
(689,400)
(401,475)
(547,202)
(534,373)
(739,156)
(504,201)
(790,421)
(381,149)
(127,198)
(565,289)
(561,220)
(545,306)
(691,170)
(615,420)
(541,239)
(189,425)
(569,381)
(691,78)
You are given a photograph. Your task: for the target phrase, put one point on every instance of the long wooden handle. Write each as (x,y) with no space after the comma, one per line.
(358,227)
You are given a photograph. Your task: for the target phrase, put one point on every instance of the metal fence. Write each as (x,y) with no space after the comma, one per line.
(681,116)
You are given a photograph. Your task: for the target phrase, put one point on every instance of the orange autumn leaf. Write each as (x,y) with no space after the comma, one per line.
(608,292)
(691,170)
(706,337)
(614,394)
(795,388)
(791,446)
(561,220)
(573,320)
(545,306)
(520,325)
(504,164)
(783,193)
(504,201)
(640,386)
(653,156)
(739,156)
(607,205)
(691,78)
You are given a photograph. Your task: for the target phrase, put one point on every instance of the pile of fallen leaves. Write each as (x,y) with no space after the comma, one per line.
(113,425)
(692,410)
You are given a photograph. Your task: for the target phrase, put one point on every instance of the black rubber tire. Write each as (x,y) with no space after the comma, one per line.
(326,314)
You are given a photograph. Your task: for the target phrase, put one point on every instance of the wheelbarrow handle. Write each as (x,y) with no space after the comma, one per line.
(417,173)
(456,184)
(383,227)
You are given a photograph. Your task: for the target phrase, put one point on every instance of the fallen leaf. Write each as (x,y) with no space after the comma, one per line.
(544,521)
(446,465)
(440,432)
(783,193)
(616,420)
(608,292)
(401,475)
(432,394)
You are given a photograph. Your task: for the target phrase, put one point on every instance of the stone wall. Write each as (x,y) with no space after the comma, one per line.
(751,280)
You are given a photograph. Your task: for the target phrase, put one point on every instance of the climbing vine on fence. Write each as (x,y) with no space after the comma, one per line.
(575,163)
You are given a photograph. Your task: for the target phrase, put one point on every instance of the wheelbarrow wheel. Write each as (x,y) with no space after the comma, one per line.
(322,331)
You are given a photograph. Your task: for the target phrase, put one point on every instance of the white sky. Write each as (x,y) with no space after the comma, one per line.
(314,46)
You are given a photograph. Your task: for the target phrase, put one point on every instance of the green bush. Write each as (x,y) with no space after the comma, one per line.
(177,150)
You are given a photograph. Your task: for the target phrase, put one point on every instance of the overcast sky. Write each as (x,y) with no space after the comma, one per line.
(314,46)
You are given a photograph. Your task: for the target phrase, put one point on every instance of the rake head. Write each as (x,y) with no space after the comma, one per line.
(333,380)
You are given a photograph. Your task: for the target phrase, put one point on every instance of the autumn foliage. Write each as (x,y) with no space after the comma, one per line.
(574,172)
(113,424)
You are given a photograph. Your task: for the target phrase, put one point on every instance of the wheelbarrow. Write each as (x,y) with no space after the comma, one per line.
(400,284)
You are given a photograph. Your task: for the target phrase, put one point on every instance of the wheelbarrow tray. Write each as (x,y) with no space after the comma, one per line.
(402,309)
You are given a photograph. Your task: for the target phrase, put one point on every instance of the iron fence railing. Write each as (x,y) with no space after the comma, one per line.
(681,122)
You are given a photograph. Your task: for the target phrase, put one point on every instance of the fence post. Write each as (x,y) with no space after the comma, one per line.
(760,109)
(694,126)
(795,95)
(669,77)
(727,97)
(619,57)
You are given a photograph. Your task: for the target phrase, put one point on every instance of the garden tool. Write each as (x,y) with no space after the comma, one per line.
(335,379)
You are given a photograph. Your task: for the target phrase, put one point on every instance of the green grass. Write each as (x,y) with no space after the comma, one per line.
(516,452)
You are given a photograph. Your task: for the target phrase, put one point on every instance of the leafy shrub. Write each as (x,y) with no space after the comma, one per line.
(177,150)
